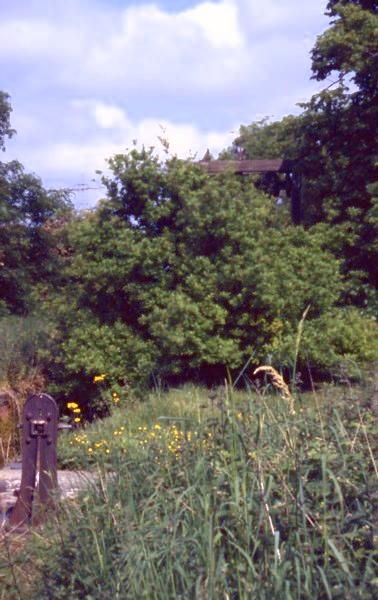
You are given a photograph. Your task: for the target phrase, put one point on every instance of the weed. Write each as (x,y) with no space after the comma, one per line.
(247,501)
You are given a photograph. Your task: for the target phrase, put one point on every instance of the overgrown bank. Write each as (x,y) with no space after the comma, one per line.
(178,276)
(234,496)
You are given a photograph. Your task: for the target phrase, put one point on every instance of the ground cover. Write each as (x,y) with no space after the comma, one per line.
(227,495)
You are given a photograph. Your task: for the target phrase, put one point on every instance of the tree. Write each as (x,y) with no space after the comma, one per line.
(179,275)
(346,124)
(27,245)
(263,139)
(5,110)
(350,45)
(334,144)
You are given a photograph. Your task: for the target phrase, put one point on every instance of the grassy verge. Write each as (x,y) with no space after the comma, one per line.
(234,497)
(132,428)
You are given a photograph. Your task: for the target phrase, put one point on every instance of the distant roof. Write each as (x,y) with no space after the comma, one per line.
(258,165)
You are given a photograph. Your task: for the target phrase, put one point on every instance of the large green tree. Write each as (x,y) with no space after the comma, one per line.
(5,110)
(334,143)
(350,45)
(178,275)
(28,253)
(343,122)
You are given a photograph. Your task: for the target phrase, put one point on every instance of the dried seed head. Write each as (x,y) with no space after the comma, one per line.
(279,383)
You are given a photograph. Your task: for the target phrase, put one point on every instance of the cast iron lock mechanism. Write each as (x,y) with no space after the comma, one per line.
(38,449)
(38,428)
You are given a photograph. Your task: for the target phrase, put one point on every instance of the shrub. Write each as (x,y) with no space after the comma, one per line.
(24,343)
(179,276)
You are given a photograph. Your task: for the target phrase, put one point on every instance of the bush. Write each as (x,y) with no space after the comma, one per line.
(179,276)
(24,342)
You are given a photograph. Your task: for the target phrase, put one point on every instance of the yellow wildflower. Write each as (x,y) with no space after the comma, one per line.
(72,405)
(77,410)
(77,420)
(98,378)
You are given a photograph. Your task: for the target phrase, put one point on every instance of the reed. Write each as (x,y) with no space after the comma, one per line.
(249,501)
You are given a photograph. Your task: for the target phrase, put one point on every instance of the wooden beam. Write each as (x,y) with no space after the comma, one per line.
(245,167)
(263,165)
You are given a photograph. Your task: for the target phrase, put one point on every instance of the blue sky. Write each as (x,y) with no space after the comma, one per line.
(87,77)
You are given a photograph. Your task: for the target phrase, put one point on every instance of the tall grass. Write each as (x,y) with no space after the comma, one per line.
(257,502)
(22,343)
(22,340)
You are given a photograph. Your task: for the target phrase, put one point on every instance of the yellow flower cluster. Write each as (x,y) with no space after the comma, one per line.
(172,438)
(99,378)
(76,410)
(157,439)
(82,439)
(72,405)
(115,397)
(118,431)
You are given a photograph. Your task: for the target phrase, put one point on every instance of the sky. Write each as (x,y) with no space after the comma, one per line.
(88,77)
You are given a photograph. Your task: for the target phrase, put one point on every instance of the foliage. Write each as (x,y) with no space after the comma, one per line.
(349,46)
(343,122)
(260,503)
(5,110)
(263,139)
(334,145)
(28,239)
(28,243)
(339,337)
(23,344)
(179,275)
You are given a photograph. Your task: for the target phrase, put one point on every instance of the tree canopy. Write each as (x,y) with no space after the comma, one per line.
(179,275)
(5,110)
(334,144)
(27,246)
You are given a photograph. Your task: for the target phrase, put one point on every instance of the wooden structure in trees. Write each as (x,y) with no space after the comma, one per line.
(271,168)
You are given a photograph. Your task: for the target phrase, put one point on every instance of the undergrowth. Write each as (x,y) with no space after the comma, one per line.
(243,499)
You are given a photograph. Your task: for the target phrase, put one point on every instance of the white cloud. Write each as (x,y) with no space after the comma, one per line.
(211,48)
(141,46)
(219,22)
(109,117)
(105,116)
(88,76)
(197,50)
(185,140)
(70,163)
